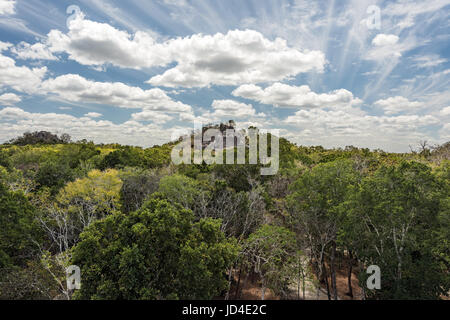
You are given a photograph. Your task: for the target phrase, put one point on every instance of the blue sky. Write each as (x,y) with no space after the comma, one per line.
(334,73)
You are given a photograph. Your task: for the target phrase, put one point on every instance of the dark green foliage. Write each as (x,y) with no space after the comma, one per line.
(54,175)
(74,154)
(314,209)
(157,252)
(5,161)
(137,187)
(269,251)
(158,156)
(290,154)
(40,137)
(27,283)
(18,229)
(179,189)
(442,249)
(124,157)
(325,186)
(394,216)
(237,176)
(194,170)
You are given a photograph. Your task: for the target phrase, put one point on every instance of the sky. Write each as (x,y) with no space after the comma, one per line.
(372,74)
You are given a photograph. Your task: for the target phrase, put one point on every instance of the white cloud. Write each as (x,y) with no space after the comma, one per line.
(93,115)
(233,109)
(92,43)
(21,78)
(7,7)
(428,61)
(384,40)
(336,128)
(224,110)
(445,111)
(395,105)
(8,99)
(15,121)
(152,116)
(408,10)
(37,51)
(283,95)
(75,88)
(387,48)
(4,46)
(235,58)
(176,3)
(342,120)
(445,133)
(12,113)
(240,56)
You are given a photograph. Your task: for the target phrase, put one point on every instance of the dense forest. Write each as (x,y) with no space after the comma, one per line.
(140,227)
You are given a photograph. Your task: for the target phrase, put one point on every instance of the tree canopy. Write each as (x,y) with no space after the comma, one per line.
(157,252)
(141,227)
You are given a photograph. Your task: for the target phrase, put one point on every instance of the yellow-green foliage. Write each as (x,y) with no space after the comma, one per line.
(98,192)
(15,180)
(106,150)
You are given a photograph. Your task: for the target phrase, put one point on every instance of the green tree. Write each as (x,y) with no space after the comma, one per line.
(158,156)
(157,252)
(137,186)
(180,189)
(124,157)
(40,137)
(395,216)
(271,250)
(241,213)
(76,206)
(91,198)
(76,153)
(5,160)
(15,180)
(443,233)
(54,174)
(19,232)
(315,214)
